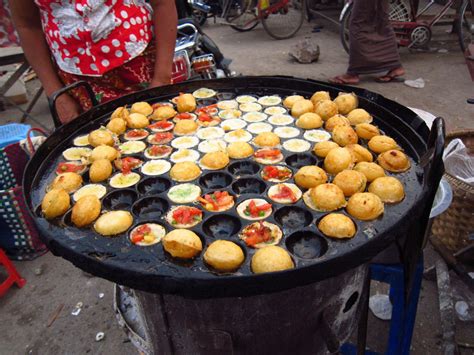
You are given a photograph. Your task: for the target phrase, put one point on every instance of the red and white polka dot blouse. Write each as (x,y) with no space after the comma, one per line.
(91,37)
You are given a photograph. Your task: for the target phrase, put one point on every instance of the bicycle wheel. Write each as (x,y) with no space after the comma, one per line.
(286,21)
(244,16)
(465,26)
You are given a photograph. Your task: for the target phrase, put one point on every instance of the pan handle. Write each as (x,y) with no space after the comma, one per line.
(435,153)
(56,94)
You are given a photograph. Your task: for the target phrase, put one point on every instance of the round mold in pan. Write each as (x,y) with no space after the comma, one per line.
(221,226)
(152,208)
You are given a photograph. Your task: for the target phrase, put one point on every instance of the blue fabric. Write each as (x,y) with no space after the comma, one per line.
(12,132)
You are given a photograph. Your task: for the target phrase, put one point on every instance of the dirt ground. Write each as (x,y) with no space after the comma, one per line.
(37,319)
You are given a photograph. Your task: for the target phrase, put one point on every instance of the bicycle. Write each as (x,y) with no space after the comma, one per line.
(413,28)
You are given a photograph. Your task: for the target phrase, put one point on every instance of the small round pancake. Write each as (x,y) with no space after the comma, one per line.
(309,120)
(248,234)
(281,120)
(120,180)
(182,244)
(259,127)
(241,209)
(359,115)
(367,130)
(100,170)
(346,102)
(268,156)
(70,182)
(296,145)
(213,145)
(55,203)
(85,211)
(266,139)
(195,220)
(227,104)
(322,149)
(215,160)
(211,202)
(185,171)
(136,134)
(254,117)
(282,173)
(230,114)
(184,142)
(154,234)
(274,110)
(350,182)
(132,147)
(210,133)
(164,112)
(71,166)
(275,193)
(250,107)
(204,93)
(344,135)
(155,167)
(185,103)
(269,100)
(91,189)
(233,124)
(239,150)
(104,152)
(77,153)
(316,135)
(237,136)
(81,141)
(142,107)
(337,225)
(270,259)
(289,101)
(287,132)
(337,160)
(185,127)
(380,144)
(158,151)
(184,155)
(160,138)
(325,197)
(388,188)
(326,109)
(336,120)
(120,112)
(137,120)
(371,170)
(184,193)
(320,96)
(365,206)
(224,256)
(301,107)
(245,99)
(117,125)
(113,223)
(310,176)
(101,136)
(394,161)
(184,116)
(360,153)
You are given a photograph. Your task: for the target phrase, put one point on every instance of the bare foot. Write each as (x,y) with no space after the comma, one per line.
(345,79)
(392,75)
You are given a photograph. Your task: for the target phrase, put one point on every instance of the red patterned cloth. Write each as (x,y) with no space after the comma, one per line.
(92,37)
(8,35)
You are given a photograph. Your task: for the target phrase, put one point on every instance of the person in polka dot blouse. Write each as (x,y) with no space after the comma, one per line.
(118,46)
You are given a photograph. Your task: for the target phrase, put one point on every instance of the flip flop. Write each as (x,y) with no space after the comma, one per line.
(340,80)
(390,79)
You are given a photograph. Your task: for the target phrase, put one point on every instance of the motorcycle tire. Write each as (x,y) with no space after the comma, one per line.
(209,46)
(199,16)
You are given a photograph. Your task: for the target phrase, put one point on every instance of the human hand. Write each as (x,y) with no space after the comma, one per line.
(160,81)
(67,108)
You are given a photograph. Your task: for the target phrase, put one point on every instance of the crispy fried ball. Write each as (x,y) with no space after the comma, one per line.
(239,150)
(388,188)
(267,139)
(360,153)
(137,120)
(371,171)
(224,256)
(163,113)
(289,101)
(380,144)
(301,107)
(350,182)
(100,170)
(86,210)
(215,160)
(142,107)
(359,115)
(55,203)
(365,206)
(186,103)
(321,149)
(337,225)
(182,243)
(120,112)
(346,102)
(336,120)
(320,96)
(104,152)
(185,171)
(184,127)
(394,161)
(113,223)
(366,130)
(270,259)
(338,159)
(327,197)
(309,120)
(117,126)
(67,181)
(100,137)
(344,135)
(310,176)
(326,109)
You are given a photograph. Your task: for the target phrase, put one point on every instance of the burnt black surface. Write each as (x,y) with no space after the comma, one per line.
(149,269)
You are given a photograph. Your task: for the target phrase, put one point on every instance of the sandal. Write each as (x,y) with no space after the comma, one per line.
(340,79)
(391,77)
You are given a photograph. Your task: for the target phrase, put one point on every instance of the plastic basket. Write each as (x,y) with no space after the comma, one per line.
(12,132)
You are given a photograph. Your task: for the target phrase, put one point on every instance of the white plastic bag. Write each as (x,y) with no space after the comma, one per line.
(458,162)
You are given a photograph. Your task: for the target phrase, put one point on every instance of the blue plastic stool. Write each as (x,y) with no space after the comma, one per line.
(403,318)
(12,132)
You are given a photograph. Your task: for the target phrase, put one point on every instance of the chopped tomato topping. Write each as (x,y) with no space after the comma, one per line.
(186,215)
(160,125)
(257,233)
(267,153)
(162,137)
(139,234)
(69,168)
(135,133)
(158,150)
(254,211)
(184,116)
(216,200)
(275,172)
(127,164)
(207,109)
(204,117)
(285,192)
(158,105)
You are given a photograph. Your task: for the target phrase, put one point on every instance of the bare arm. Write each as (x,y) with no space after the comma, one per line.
(165,21)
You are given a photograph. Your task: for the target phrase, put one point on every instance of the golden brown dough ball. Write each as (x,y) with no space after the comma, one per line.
(104,152)
(350,182)
(137,120)
(67,181)
(55,203)
(289,101)
(380,144)
(366,130)
(337,225)
(224,256)
(338,159)
(394,161)
(371,171)
(215,160)
(267,139)
(185,171)
(344,135)
(86,210)
(100,137)
(185,127)
(326,109)
(388,188)
(100,170)
(186,103)
(270,259)
(182,243)
(320,96)
(142,107)
(360,153)
(239,150)
(365,206)
(163,113)
(346,102)
(321,149)
(301,107)
(337,120)
(310,176)
(117,126)
(113,223)
(120,112)
(359,115)
(309,120)
(326,197)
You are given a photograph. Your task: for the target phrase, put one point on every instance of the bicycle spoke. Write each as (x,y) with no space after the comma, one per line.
(285,20)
